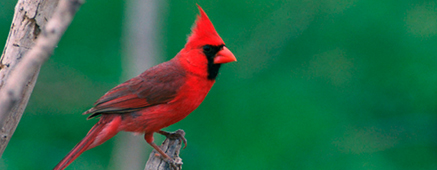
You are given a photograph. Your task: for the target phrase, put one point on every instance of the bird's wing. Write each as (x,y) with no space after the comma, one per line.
(157,85)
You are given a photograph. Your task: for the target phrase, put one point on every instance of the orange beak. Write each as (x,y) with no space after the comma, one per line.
(224,56)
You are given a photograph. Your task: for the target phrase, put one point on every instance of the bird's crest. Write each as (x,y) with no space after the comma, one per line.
(203,32)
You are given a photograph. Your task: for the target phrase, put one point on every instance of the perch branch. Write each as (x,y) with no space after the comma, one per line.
(15,88)
(172,147)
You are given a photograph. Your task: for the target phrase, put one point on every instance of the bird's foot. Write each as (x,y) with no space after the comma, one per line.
(179,134)
(175,164)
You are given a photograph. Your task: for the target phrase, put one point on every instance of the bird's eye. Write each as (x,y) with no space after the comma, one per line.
(207,48)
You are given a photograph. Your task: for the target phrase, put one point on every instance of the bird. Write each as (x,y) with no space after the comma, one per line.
(160,96)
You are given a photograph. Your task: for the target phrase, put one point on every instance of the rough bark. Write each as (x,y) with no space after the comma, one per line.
(35,31)
(172,147)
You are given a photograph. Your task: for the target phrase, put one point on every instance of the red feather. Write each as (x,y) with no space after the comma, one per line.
(98,134)
(157,85)
(160,96)
(203,32)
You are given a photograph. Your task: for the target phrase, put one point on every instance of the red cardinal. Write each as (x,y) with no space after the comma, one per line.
(160,96)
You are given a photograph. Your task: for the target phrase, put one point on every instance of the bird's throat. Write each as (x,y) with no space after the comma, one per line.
(213,70)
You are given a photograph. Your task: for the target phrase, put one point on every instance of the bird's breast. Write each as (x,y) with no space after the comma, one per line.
(191,95)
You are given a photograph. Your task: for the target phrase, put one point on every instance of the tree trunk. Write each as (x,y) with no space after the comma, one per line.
(141,51)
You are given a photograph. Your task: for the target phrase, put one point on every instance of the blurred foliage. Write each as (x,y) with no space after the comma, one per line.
(341,84)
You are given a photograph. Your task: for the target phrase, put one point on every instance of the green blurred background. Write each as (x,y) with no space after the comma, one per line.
(339,84)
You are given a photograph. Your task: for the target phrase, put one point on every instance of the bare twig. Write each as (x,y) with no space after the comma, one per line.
(172,147)
(16,87)
(29,18)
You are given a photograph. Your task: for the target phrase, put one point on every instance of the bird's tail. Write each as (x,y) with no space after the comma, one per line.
(105,129)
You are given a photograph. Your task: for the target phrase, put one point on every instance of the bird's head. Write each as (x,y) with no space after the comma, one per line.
(205,50)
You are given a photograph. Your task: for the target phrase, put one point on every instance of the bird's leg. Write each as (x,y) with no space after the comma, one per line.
(179,134)
(164,156)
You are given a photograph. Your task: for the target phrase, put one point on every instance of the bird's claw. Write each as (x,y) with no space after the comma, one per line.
(179,134)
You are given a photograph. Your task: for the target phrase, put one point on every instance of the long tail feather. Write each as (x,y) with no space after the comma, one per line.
(105,129)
